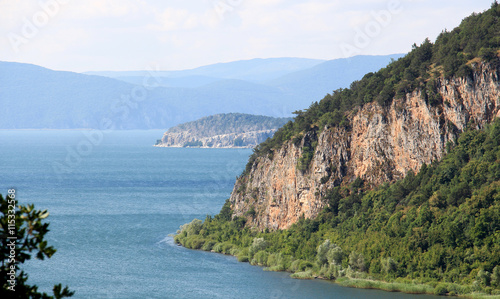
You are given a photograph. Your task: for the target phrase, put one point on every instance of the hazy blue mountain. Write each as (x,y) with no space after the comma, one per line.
(315,82)
(187,81)
(258,69)
(36,97)
(251,70)
(229,96)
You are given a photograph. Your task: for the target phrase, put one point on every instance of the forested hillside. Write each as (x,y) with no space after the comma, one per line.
(454,53)
(439,227)
(393,183)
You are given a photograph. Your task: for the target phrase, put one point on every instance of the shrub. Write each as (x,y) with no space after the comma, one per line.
(328,271)
(251,212)
(217,248)
(192,228)
(303,265)
(357,261)
(294,266)
(234,251)
(303,275)
(196,242)
(389,265)
(260,258)
(277,261)
(258,244)
(244,251)
(227,247)
(483,277)
(441,289)
(243,258)
(208,245)
(495,277)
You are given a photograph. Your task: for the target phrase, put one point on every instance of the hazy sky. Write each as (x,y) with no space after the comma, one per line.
(84,35)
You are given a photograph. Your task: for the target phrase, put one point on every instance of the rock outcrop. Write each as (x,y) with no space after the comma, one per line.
(232,140)
(229,130)
(382,144)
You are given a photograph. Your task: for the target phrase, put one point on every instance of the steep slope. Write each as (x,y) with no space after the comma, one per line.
(380,145)
(385,125)
(391,184)
(436,231)
(223,131)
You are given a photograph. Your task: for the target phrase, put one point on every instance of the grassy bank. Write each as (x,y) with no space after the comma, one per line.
(444,289)
(256,254)
(300,269)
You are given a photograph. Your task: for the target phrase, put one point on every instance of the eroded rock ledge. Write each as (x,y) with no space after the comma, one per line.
(232,140)
(382,145)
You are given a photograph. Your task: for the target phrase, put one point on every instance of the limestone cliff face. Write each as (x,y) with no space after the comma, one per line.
(232,140)
(382,145)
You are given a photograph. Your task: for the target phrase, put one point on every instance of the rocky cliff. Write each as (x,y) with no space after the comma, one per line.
(232,140)
(381,144)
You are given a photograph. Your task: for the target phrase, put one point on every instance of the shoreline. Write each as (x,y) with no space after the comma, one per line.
(439,288)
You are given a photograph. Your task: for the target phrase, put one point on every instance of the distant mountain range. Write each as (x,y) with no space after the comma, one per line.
(254,70)
(35,97)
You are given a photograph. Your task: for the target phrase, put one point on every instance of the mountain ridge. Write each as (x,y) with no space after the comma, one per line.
(65,100)
(257,69)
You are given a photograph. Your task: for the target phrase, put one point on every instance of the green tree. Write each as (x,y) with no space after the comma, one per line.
(192,228)
(23,234)
(335,255)
(495,277)
(323,249)
(357,261)
(389,265)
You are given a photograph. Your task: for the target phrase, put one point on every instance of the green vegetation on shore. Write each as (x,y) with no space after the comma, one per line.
(437,231)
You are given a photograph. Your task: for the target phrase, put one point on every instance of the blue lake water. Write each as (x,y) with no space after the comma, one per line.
(114,199)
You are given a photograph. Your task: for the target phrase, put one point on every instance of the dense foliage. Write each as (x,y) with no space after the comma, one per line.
(229,123)
(450,55)
(26,224)
(439,227)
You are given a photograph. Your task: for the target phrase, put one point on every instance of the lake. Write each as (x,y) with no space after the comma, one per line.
(114,199)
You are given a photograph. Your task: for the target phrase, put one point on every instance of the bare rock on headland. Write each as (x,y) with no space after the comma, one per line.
(232,130)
